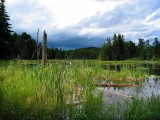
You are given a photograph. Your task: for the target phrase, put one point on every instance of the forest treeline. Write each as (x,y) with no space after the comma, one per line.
(23,46)
(81,53)
(117,48)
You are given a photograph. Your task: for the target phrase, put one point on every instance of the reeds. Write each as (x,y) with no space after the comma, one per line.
(144,108)
(61,90)
(44,90)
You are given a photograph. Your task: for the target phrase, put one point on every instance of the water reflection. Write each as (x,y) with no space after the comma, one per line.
(153,69)
(116,94)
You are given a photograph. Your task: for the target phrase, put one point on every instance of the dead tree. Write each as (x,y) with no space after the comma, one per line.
(44,48)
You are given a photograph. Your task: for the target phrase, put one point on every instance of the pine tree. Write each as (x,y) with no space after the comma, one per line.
(141,49)
(115,47)
(121,49)
(156,48)
(6,43)
(149,50)
(109,49)
(103,52)
(27,45)
(129,50)
(118,47)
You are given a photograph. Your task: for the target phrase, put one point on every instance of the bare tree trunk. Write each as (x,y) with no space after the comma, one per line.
(44,48)
(37,46)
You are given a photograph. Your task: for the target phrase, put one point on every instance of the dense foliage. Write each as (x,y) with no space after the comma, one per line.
(115,48)
(13,45)
(6,43)
(82,53)
(25,46)
(119,49)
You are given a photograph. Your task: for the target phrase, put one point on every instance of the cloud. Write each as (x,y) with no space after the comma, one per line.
(63,13)
(129,18)
(67,41)
(109,0)
(27,16)
(81,23)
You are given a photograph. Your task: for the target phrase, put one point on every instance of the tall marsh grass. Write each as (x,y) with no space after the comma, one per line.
(59,91)
(46,92)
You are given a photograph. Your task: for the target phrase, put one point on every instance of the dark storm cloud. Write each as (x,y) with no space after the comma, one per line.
(73,41)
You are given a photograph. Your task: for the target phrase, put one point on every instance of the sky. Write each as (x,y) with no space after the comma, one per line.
(74,24)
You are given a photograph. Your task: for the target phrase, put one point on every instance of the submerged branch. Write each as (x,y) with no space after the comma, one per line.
(116,85)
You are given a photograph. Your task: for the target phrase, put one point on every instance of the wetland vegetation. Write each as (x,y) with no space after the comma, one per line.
(67,90)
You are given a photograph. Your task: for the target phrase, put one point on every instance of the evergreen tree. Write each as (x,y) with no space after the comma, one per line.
(118,47)
(108,49)
(141,49)
(17,45)
(25,46)
(103,52)
(156,48)
(149,50)
(6,43)
(83,53)
(130,49)
(121,55)
(115,47)
(28,45)
(51,53)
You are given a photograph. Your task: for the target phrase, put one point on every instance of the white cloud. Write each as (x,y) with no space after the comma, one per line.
(71,12)
(93,31)
(134,19)
(64,12)
(153,19)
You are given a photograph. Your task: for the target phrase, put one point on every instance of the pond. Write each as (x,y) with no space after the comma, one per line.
(153,69)
(120,94)
(150,86)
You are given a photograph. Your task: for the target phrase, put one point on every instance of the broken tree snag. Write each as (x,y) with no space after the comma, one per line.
(37,46)
(117,68)
(115,85)
(44,48)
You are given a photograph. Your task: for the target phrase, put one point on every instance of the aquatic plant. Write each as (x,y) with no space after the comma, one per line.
(59,90)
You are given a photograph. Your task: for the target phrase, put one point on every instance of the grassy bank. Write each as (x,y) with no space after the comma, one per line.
(62,90)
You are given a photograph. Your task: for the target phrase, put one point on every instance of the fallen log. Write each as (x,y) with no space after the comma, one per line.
(121,94)
(116,85)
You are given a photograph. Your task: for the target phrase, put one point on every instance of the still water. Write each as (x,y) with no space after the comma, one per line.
(153,69)
(150,86)
(117,94)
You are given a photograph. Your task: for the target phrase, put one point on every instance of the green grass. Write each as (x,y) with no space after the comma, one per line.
(50,92)
(143,109)
(36,90)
